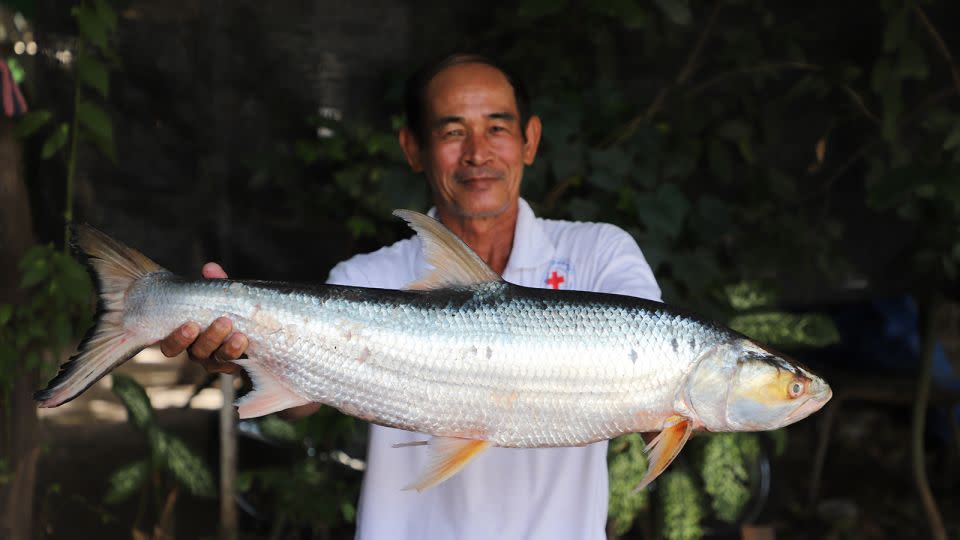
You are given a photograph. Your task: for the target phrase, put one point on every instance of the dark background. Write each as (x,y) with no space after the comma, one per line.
(794,161)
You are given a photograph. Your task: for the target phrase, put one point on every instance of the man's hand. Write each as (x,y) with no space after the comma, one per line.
(216,346)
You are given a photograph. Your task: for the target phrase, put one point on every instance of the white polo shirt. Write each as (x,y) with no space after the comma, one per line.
(504,493)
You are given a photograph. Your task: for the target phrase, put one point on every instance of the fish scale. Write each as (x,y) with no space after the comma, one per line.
(464,357)
(520,387)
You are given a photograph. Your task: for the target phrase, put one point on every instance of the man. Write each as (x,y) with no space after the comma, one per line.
(470,132)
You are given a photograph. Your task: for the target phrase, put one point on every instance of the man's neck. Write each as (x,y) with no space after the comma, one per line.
(490,237)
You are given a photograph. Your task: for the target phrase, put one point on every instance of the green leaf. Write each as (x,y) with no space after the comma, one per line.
(627,465)
(953,138)
(277,429)
(126,481)
(139,410)
(106,14)
(663,211)
(94,74)
(912,62)
(6,313)
(361,227)
(896,31)
(33,121)
(682,512)
(95,119)
(55,141)
(726,462)
(678,11)
(184,464)
(92,26)
(788,330)
(104,144)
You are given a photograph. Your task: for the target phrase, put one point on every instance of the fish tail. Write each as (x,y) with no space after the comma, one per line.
(115,268)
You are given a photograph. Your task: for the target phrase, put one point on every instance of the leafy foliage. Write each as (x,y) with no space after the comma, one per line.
(682,510)
(727,457)
(167,452)
(316,491)
(627,465)
(58,308)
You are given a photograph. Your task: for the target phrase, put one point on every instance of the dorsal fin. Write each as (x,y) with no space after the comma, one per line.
(454,263)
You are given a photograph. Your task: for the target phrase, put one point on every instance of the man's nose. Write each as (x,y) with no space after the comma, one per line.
(476,150)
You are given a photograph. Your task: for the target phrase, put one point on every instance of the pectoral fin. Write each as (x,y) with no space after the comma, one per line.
(664,448)
(447,456)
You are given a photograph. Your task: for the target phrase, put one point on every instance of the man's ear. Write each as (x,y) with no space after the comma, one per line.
(411,149)
(532,142)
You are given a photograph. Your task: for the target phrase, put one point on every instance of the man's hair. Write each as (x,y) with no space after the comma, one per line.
(416,89)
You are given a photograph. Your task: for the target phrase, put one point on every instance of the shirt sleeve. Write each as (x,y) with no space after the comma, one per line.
(622,268)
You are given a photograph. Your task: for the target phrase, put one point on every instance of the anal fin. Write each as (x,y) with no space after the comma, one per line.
(447,456)
(268,395)
(662,450)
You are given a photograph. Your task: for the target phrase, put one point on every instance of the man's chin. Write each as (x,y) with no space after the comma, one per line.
(481,210)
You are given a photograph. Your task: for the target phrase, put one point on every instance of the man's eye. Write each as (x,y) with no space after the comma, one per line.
(453,133)
(497,129)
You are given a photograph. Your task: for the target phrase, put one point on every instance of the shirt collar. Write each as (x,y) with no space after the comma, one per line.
(531,245)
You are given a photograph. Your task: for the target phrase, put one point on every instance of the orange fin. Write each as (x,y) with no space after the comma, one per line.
(447,456)
(665,447)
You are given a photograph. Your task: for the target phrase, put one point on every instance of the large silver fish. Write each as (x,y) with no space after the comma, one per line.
(461,355)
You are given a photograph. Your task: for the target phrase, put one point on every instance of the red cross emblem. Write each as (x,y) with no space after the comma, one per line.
(555,280)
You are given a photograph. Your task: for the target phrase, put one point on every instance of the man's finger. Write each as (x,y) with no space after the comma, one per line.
(212,270)
(232,348)
(179,339)
(211,338)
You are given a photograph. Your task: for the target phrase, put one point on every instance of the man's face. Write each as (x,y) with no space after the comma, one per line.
(473,151)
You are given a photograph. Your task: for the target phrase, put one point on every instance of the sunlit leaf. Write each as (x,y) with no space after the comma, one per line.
(140,411)
(682,512)
(788,330)
(627,465)
(55,141)
(726,462)
(32,121)
(126,481)
(749,295)
(94,74)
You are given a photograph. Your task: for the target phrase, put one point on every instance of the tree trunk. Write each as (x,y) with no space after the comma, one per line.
(19,434)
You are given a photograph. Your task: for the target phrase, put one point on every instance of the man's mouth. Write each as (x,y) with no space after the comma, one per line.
(479,178)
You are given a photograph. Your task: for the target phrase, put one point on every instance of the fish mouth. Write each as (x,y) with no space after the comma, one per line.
(811,405)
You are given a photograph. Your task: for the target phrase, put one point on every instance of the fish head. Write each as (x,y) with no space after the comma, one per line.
(740,386)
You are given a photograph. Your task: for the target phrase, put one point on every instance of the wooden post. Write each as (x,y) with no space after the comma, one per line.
(19,427)
(228,460)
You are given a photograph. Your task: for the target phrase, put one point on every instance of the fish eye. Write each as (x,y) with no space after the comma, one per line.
(796,388)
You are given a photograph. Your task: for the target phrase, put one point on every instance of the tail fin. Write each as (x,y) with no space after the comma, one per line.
(108,344)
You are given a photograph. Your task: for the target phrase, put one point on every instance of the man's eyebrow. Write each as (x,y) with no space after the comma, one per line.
(509,117)
(444,120)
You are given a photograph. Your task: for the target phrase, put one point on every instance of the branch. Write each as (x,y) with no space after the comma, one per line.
(681,79)
(940,45)
(763,67)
